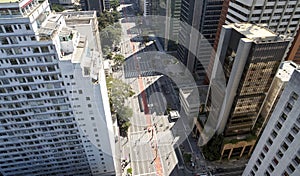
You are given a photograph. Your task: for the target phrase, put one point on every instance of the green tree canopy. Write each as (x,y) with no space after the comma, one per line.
(108,18)
(110,36)
(57,7)
(212,150)
(118,59)
(114,4)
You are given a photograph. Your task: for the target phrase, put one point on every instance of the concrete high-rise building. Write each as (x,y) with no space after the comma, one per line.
(67,4)
(281,16)
(278,149)
(152,7)
(204,17)
(172,26)
(248,58)
(168,15)
(54,110)
(97,5)
(294,53)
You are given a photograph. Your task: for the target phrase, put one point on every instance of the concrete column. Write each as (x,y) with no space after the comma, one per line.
(242,152)
(250,151)
(230,153)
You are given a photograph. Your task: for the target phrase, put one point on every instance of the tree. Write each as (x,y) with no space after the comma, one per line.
(118,91)
(109,55)
(118,59)
(110,36)
(124,113)
(108,18)
(124,128)
(77,7)
(115,16)
(187,157)
(57,7)
(212,150)
(114,4)
(129,171)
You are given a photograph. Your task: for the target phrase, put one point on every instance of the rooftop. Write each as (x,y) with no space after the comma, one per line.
(256,32)
(286,70)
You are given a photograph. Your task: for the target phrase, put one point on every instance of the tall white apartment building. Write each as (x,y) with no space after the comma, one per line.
(278,150)
(54,110)
(281,78)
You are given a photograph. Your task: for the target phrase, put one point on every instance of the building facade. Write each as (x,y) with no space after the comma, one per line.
(54,112)
(248,58)
(67,4)
(204,17)
(172,25)
(294,53)
(282,77)
(277,151)
(98,5)
(281,16)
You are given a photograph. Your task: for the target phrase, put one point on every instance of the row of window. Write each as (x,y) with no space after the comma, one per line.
(24,132)
(30,69)
(22,61)
(23,50)
(16,39)
(32,95)
(67,168)
(13,28)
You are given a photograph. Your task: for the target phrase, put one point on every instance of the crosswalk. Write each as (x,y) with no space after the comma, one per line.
(134,68)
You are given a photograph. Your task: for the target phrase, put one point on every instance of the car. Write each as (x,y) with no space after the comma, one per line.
(173,116)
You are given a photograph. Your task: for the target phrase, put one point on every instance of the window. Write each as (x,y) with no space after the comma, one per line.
(291,168)
(80,91)
(289,107)
(285,173)
(45,49)
(266,149)
(35,50)
(270,142)
(275,161)
(273,134)
(296,161)
(4,41)
(271,168)
(262,156)
(279,154)
(255,168)
(284,146)
(89,105)
(295,129)
(290,138)
(27,26)
(8,28)
(294,96)
(87,98)
(283,117)
(278,126)
(92,118)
